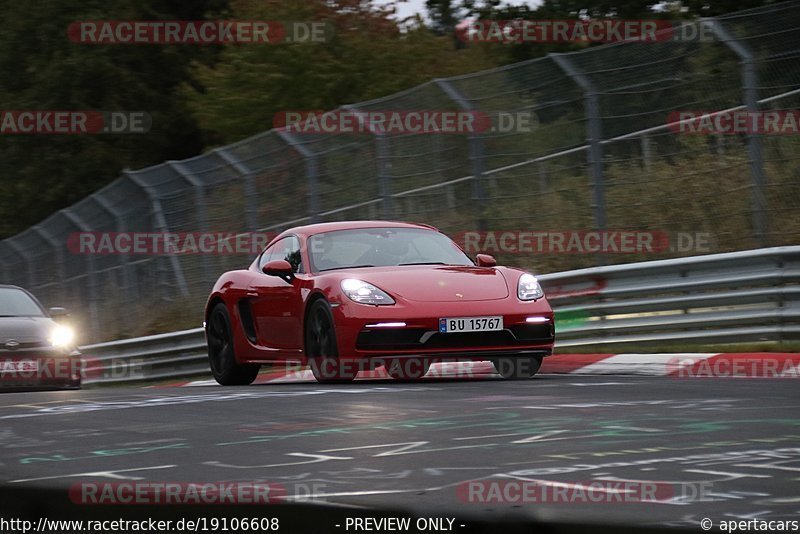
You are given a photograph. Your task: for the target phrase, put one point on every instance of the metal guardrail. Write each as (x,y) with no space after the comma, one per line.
(735,297)
(162,356)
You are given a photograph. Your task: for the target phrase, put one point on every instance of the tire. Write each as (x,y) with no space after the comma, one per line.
(221,355)
(518,368)
(407,368)
(321,348)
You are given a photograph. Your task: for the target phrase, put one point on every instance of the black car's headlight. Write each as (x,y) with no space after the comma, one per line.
(62,337)
(528,288)
(365,293)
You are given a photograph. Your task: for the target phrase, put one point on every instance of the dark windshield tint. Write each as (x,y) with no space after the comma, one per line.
(382,247)
(16,303)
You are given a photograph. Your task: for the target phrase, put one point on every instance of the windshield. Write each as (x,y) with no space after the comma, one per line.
(16,303)
(381,247)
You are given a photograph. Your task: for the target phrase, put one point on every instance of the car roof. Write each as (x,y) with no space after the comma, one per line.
(319,228)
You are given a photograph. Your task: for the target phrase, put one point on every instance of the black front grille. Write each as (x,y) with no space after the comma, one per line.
(460,340)
(537,333)
(390,339)
(420,339)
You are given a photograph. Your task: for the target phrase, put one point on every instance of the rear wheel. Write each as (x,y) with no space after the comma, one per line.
(221,354)
(407,368)
(321,348)
(517,368)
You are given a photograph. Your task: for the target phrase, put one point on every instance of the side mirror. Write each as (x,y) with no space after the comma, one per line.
(281,268)
(485,260)
(58,312)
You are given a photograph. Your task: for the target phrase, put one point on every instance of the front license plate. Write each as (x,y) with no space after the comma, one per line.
(18,366)
(470,324)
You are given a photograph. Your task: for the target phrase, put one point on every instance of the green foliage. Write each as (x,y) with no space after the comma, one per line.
(445,14)
(368,57)
(204,96)
(43,70)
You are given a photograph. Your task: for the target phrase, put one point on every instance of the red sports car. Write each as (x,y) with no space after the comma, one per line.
(351,296)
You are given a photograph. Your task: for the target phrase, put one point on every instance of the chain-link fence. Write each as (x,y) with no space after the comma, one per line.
(601,156)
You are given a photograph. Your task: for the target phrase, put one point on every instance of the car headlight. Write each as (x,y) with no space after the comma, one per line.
(62,336)
(529,288)
(364,293)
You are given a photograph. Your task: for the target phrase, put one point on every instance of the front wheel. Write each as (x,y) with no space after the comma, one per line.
(517,368)
(221,355)
(321,348)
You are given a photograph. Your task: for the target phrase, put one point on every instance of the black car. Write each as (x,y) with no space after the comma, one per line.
(35,350)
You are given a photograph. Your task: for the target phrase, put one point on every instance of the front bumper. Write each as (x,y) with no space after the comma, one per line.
(40,368)
(359,337)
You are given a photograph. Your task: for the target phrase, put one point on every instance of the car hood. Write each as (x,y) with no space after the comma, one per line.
(25,329)
(439,283)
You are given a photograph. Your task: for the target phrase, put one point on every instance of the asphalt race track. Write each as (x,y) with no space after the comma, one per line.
(417,445)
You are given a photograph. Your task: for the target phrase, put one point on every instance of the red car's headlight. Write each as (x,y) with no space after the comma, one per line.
(365,293)
(528,288)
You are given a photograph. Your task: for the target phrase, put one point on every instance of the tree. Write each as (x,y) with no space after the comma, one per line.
(368,56)
(443,14)
(41,69)
(505,53)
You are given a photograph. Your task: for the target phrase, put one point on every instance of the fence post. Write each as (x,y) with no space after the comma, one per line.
(161,225)
(544,181)
(251,210)
(6,276)
(476,153)
(58,253)
(594,139)
(91,276)
(31,282)
(382,152)
(311,173)
(754,152)
(202,210)
(127,279)
(647,152)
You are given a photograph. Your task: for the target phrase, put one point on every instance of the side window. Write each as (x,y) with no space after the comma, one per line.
(287,249)
(291,253)
(268,254)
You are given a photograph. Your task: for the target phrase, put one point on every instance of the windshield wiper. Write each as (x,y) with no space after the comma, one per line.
(345,267)
(425,263)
